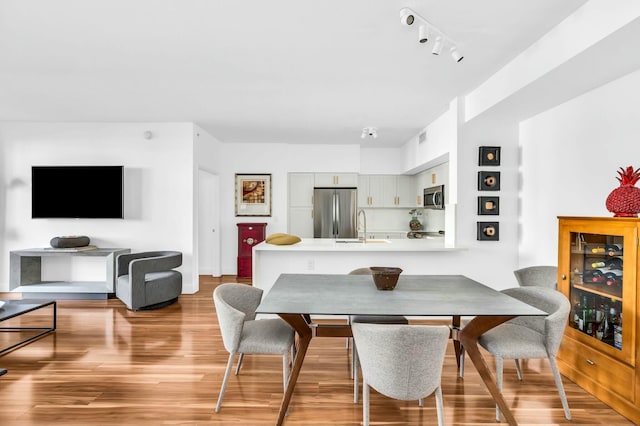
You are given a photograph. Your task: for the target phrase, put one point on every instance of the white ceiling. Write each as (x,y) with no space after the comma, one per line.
(280,71)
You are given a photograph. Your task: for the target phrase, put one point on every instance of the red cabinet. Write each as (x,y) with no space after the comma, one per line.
(249,234)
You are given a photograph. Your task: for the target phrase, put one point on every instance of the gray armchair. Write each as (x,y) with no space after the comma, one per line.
(148,280)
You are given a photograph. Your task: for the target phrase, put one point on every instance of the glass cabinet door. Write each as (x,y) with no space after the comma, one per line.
(601,280)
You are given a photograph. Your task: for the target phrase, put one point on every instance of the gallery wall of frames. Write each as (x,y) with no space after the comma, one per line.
(488,185)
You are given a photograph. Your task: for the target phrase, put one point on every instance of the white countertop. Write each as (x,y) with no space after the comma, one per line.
(353,245)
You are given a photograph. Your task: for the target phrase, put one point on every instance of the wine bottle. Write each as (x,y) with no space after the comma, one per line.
(594,276)
(613,263)
(597,250)
(613,249)
(613,277)
(595,265)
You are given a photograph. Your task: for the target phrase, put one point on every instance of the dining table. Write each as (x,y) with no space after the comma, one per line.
(304,300)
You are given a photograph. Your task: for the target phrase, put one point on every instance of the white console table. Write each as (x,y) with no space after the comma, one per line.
(25,274)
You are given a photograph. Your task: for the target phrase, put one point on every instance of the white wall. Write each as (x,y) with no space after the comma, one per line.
(570,156)
(158,190)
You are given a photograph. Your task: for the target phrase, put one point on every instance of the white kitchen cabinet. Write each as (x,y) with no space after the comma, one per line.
(370,191)
(336,180)
(386,191)
(301,189)
(301,222)
(406,192)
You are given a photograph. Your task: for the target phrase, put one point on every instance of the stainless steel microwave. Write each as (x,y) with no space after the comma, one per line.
(434,197)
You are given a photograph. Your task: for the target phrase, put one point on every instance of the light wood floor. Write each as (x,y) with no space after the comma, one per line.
(106,365)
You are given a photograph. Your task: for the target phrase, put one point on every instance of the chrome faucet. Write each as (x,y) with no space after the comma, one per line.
(364,224)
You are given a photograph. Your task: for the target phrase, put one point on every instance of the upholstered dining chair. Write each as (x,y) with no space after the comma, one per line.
(530,337)
(243,334)
(401,361)
(376,319)
(538,275)
(148,280)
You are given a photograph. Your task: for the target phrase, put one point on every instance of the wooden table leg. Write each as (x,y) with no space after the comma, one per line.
(303,329)
(469,339)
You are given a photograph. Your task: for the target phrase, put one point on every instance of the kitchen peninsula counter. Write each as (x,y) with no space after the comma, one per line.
(354,245)
(328,256)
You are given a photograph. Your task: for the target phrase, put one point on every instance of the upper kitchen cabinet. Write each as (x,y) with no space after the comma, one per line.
(405,191)
(336,180)
(386,191)
(370,191)
(301,189)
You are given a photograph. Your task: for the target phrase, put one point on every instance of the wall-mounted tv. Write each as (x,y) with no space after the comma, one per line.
(94,192)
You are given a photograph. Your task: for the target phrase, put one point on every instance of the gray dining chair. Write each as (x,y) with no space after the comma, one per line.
(537,275)
(401,361)
(243,334)
(375,319)
(535,337)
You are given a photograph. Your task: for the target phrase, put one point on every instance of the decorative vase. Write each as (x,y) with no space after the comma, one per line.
(414,224)
(624,201)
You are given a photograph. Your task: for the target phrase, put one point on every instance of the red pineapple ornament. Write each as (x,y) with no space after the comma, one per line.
(624,201)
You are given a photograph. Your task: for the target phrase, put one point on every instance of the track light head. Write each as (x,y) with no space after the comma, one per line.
(406,16)
(437,46)
(423,34)
(456,55)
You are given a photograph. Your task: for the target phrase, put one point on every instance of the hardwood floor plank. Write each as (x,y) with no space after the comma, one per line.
(108,366)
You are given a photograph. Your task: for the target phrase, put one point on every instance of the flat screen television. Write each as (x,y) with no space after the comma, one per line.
(94,192)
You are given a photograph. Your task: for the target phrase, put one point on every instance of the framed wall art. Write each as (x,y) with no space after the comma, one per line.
(489,156)
(488,231)
(488,181)
(488,205)
(253,194)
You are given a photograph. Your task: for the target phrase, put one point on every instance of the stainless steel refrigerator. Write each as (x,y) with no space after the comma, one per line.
(334,212)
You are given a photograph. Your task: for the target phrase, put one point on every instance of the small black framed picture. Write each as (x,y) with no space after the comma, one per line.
(488,181)
(489,156)
(488,231)
(488,205)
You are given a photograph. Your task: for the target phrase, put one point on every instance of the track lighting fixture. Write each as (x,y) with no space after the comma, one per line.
(427,29)
(406,16)
(370,132)
(437,46)
(423,34)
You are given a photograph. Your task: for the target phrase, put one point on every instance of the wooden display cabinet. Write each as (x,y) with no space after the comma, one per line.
(598,270)
(249,234)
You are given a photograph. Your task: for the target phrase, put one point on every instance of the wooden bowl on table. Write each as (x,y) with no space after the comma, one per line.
(385,277)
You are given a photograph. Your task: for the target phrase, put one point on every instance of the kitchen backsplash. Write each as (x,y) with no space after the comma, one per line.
(398,220)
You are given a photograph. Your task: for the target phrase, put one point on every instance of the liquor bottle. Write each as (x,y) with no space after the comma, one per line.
(590,321)
(613,249)
(616,323)
(577,315)
(605,326)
